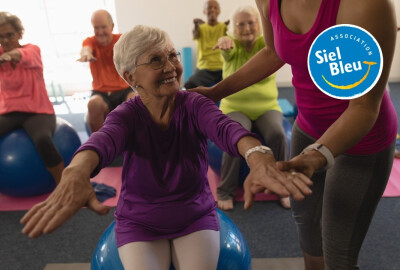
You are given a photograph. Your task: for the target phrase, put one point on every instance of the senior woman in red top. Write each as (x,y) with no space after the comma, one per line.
(23,96)
(166,212)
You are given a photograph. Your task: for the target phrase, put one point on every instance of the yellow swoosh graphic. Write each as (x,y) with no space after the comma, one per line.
(346,87)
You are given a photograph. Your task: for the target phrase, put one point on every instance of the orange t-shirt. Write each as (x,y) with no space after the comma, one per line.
(105,76)
(22,89)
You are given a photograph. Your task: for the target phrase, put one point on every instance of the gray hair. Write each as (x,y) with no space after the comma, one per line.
(132,44)
(13,20)
(252,11)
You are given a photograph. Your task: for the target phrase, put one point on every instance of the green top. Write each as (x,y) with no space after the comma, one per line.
(207,58)
(254,100)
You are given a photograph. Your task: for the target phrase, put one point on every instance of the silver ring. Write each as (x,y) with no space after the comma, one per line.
(293,173)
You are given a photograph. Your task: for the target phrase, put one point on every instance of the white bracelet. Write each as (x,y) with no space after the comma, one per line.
(260,148)
(330,159)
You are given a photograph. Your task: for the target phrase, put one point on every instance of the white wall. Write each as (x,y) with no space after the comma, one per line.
(176,17)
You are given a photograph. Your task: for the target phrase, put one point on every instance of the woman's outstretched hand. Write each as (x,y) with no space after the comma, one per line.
(224,43)
(73,192)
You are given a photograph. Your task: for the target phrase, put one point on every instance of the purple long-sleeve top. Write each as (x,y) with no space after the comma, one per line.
(165,191)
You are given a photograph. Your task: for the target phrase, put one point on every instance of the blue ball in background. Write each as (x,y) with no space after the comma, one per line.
(22,171)
(234,253)
(215,154)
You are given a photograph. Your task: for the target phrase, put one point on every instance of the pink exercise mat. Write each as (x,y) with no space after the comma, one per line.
(393,186)
(112,176)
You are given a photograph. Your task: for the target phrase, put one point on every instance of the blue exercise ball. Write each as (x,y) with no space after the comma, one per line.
(234,253)
(22,171)
(215,154)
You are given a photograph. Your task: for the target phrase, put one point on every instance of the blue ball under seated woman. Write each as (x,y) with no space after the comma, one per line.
(22,171)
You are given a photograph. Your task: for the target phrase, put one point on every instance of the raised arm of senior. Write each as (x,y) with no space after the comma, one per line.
(73,192)
(11,56)
(86,55)
(224,43)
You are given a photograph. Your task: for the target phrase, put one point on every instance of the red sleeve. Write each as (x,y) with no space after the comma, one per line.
(30,56)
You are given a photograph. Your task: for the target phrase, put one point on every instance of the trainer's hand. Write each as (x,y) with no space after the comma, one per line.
(207,92)
(306,163)
(266,177)
(73,192)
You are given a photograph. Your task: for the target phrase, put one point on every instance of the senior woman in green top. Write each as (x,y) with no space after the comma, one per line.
(257,106)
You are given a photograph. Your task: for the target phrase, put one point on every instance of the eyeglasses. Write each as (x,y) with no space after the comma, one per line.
(243,24)
(8,36)
(158,62)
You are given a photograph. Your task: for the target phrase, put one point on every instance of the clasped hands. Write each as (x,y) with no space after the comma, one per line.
(284,178)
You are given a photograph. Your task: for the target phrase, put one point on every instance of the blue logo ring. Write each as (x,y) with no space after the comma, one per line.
(345,61)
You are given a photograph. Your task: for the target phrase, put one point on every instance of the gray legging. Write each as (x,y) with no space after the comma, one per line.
(40,128)
(270,126)
(333,221)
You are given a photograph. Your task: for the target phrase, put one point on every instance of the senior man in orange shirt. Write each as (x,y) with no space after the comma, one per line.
(109,89)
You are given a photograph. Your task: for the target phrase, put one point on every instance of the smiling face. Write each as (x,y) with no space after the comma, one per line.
(9,37)
(246,28)
(162,82)
(103,27)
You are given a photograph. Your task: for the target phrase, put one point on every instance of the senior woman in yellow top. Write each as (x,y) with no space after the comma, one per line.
(256,106)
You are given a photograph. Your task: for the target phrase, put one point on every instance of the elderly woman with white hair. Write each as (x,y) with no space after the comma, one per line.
(166,212)
(255,108)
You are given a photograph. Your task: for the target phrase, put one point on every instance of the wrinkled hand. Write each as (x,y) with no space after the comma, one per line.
(207,92)
(87,58)
(224,43)
(70,195)
(266,177)
(198,21)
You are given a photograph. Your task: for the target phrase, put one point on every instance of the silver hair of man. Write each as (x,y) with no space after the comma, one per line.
(247,9)
(13,20)
(134,43)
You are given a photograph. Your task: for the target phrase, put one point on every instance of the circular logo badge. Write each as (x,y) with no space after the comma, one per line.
(345,61)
